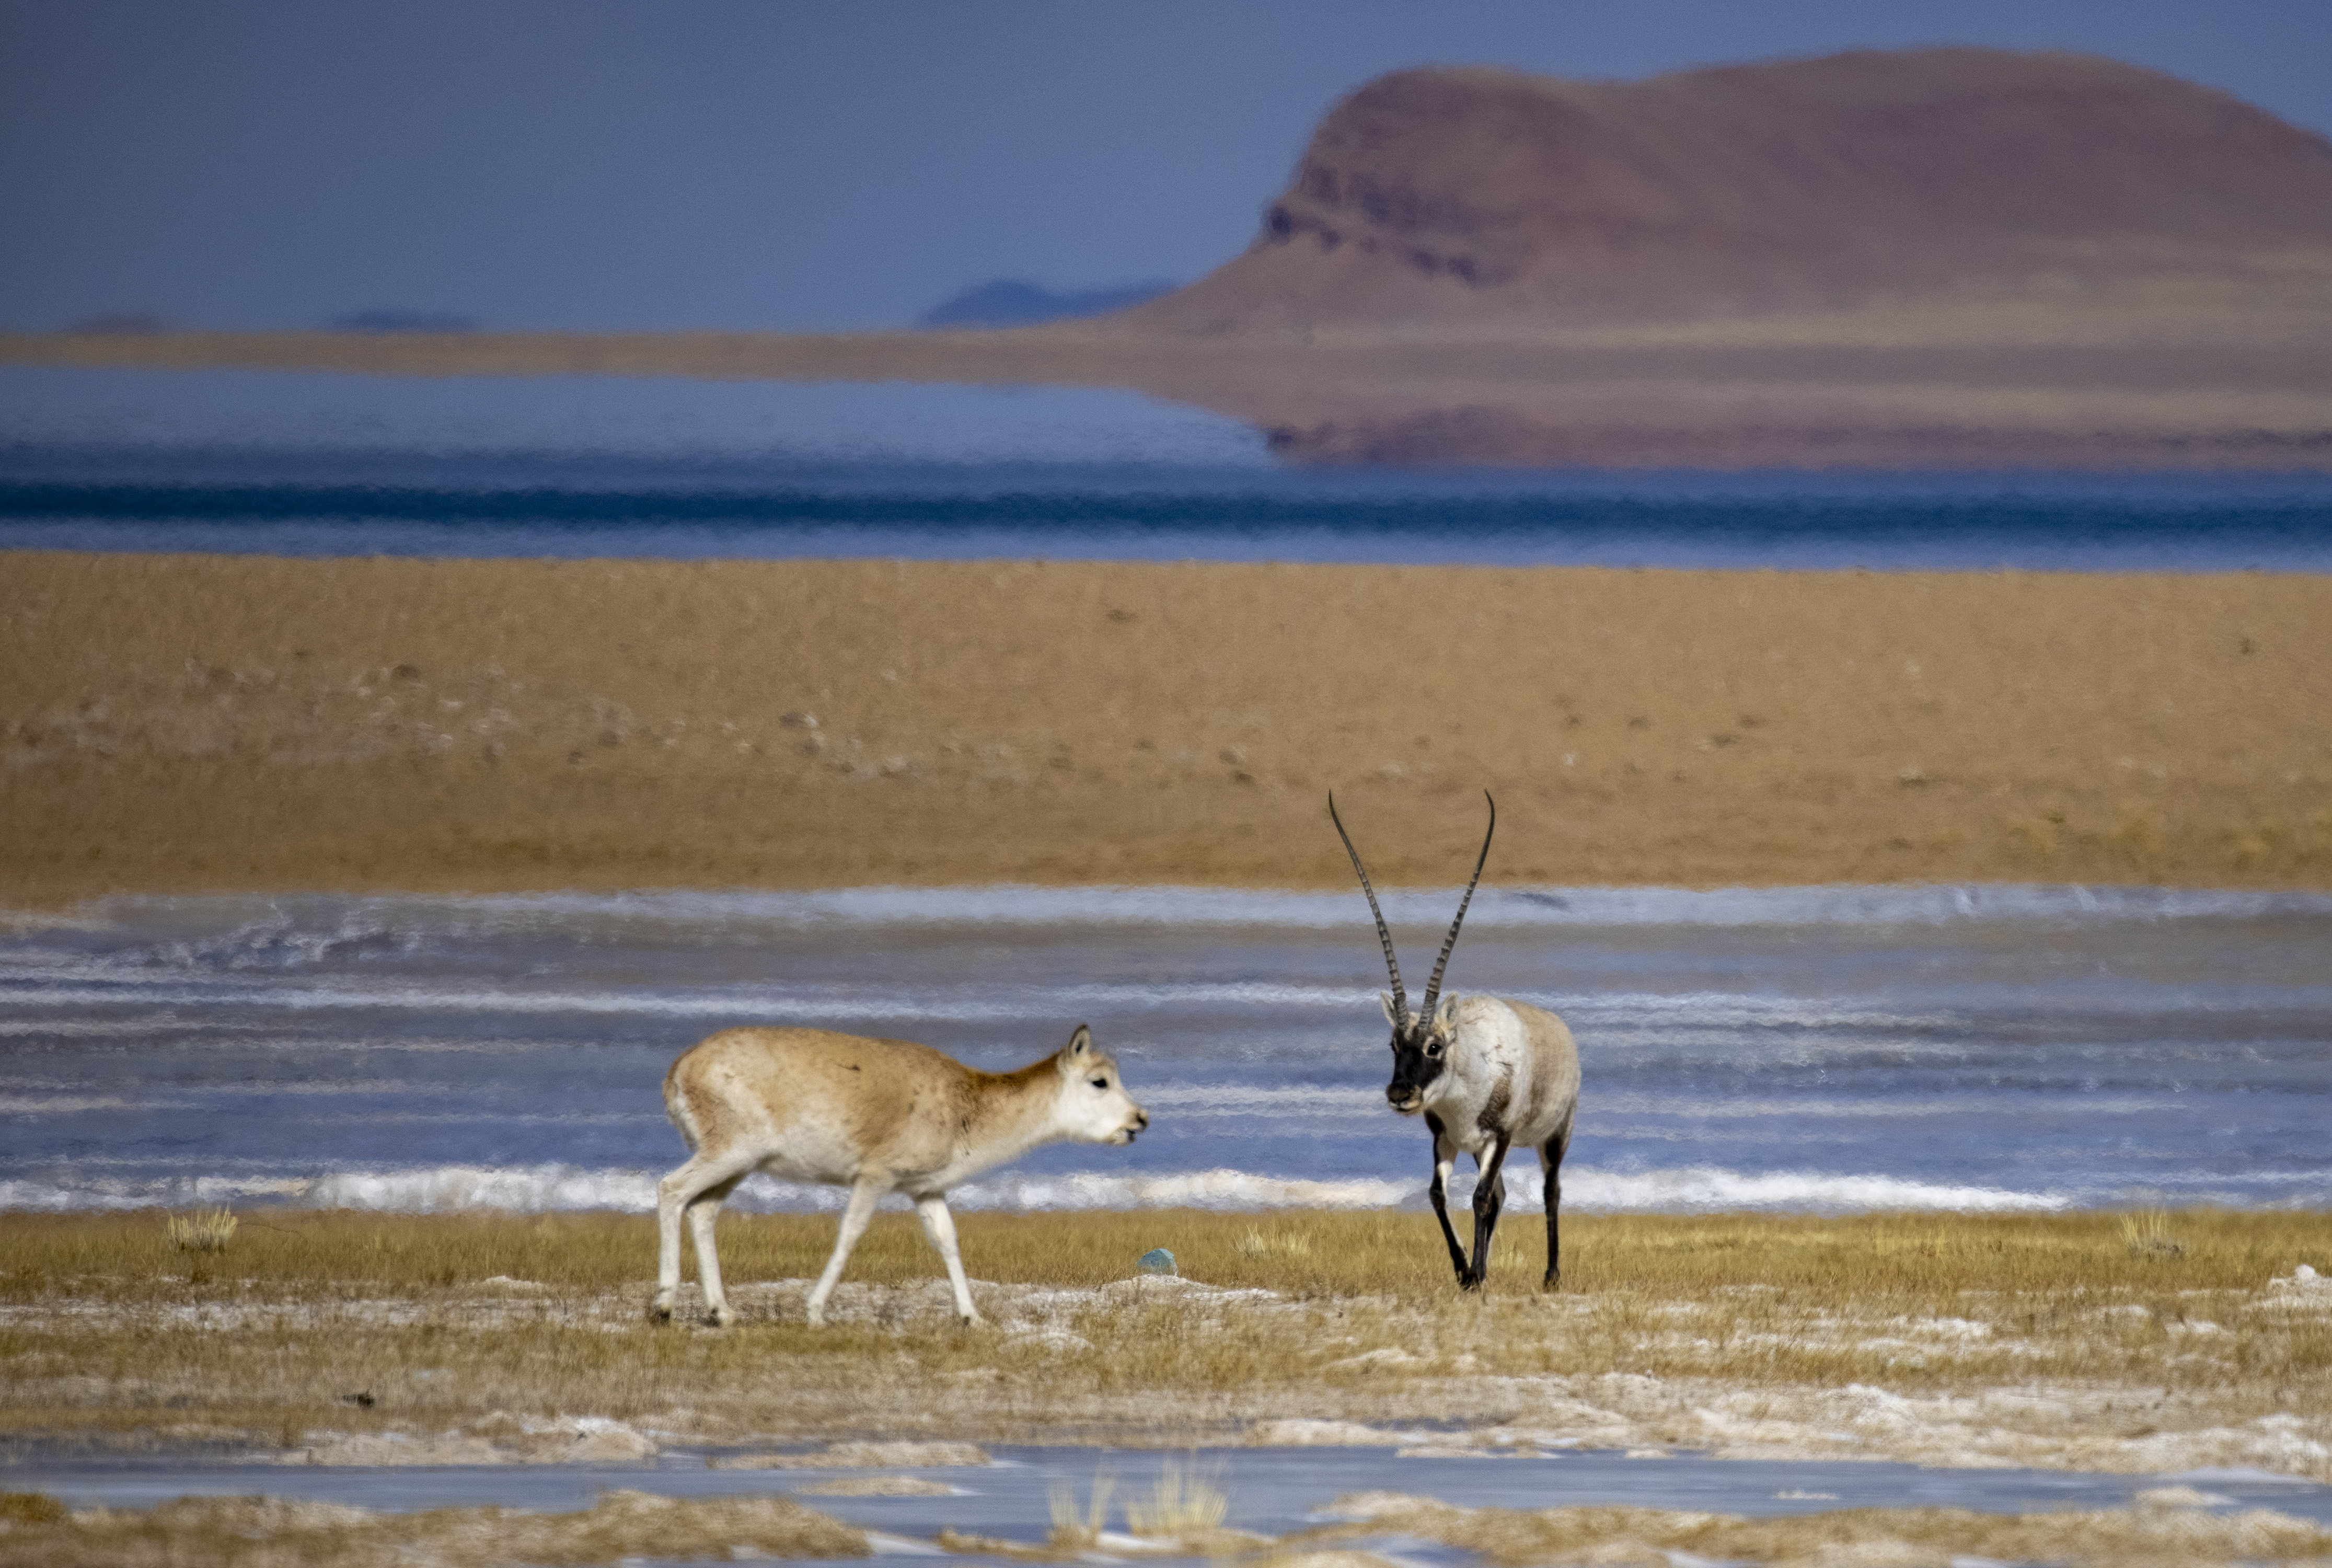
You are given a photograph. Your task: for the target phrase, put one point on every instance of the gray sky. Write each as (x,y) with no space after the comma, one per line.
(805,165)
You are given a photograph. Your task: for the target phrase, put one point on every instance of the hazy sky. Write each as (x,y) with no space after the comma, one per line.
(804,165)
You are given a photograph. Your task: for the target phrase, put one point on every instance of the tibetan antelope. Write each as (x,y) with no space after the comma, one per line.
(876,1116)
(1486,1073)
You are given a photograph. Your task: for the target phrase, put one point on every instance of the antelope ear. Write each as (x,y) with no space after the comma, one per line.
(1078,1051)
(1446,1015)
(1384,1000)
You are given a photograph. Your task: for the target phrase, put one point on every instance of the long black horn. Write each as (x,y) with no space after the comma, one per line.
(1399,997)
(1433,987)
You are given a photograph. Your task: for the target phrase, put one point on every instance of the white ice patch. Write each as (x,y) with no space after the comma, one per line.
(557,1188)
(1423,908)
(100,1193)
(1707,1189)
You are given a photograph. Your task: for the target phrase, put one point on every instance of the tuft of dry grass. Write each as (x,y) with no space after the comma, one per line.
(1078,1527)
(1188,1499)
(1281,1243)
(2146,1232)
(204,1231)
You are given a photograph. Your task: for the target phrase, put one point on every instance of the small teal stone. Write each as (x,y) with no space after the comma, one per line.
(1157,1260)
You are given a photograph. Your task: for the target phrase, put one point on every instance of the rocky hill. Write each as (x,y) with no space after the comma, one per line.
(1442,195)
(1926,259)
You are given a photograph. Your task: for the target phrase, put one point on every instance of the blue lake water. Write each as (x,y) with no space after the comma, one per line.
(1994,1048)
(309,463)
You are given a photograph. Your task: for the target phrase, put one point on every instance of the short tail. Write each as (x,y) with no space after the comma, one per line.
(676,1105)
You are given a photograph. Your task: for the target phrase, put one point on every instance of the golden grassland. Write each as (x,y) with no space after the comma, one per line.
(173,724)
(495,1324)
(266,1532)
(258,1532)
(2132,1342)
(1626,1538)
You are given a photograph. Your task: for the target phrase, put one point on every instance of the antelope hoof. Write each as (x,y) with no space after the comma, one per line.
(721,1316)
(1554,1281)
(660,1310)
(973,1320)
(1469,1282)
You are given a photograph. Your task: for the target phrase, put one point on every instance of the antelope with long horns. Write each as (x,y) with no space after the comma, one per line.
(876,1116)
(1486,1074)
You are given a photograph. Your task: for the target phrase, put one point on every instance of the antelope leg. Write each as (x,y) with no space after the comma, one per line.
(1445,1159)
(674,1193)
(938,1225)
(1489,1197)
(1549,1156)
(702,1211)
(867,1193)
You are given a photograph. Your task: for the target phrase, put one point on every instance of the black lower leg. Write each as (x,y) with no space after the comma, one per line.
(1552,1154)
(1449,1235)
(1489,1197)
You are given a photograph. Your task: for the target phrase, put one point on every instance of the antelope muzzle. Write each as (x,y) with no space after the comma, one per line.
(1405,1094)
(1414,1067)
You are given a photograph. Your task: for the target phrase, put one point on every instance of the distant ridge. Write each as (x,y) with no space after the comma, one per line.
(1939,258)
(1012,302)
(1436,195)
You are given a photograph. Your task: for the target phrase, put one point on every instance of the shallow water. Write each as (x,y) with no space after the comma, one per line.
(318,463)
(2009,1049)
(1275,1491)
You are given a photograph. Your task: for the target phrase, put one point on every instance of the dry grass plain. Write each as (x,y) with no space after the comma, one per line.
(2168,1530)
(2072,1340)
(180,723)
(2136,1342)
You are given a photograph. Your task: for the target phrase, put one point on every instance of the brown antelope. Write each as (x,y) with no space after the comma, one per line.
(1486,1074)
(876,1116)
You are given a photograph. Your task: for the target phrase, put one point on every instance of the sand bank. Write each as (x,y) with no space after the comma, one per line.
(2172,370)
(194,723)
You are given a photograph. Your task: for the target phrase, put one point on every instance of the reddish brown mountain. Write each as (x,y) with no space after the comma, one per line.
(1448,195)
(1939,258)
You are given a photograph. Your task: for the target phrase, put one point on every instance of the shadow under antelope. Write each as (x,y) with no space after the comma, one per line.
(876,1116)
(1486,1074)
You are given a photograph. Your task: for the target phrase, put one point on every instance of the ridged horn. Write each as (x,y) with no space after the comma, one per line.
(1433,987)
(1384,935)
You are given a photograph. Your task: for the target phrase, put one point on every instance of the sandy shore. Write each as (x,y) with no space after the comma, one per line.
(192,723)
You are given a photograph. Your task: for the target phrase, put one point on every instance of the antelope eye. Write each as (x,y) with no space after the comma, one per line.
(1433,1048)
(1100,1082)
